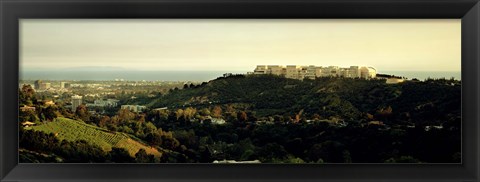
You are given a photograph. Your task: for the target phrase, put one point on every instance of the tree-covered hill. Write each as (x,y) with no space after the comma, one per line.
(425,102)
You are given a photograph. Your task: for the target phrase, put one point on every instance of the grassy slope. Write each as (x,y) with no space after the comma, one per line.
(72,130)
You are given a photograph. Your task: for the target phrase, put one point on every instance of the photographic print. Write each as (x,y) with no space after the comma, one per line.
(240,91)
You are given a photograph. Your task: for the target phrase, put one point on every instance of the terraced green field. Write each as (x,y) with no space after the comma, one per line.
(71,130)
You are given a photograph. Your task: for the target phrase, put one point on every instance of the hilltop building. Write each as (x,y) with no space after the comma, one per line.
(76,101)
(312,72)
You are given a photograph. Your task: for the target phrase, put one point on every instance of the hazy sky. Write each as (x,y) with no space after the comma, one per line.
(239,45)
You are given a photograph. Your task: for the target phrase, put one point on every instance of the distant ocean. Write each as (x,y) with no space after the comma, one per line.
(198,76)
(422,75)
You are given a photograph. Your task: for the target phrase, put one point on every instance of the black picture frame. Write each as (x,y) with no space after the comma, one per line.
(13,10)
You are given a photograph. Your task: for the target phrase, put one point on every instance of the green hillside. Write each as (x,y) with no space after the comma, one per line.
(71,130)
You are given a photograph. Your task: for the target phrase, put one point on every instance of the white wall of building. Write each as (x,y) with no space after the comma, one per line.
(311,71)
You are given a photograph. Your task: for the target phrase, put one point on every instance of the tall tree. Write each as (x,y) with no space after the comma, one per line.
(82,113)
(26,95)
(243,116)
(217,112)
(120,155)
(142,157)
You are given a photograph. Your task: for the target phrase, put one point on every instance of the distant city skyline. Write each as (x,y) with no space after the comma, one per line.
(239,45)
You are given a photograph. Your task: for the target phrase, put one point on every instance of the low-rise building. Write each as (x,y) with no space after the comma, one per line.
(428,128)
(26,108)
(160,109)
(106,102)
(40,85)
(134,108)
(261,69)
(276,70)
(236,162)
(49,103)
(219,121)
(27,124)
(311,72)
(292,71)
(379,123)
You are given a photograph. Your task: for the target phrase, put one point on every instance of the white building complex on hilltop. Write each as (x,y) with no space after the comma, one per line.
(311,72)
